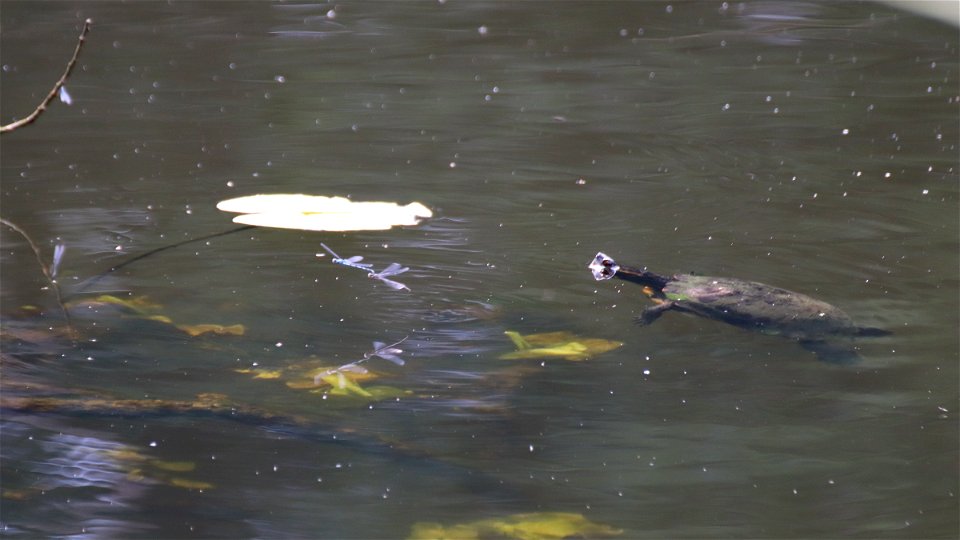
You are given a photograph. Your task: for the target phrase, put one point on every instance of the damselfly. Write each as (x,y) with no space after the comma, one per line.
(352,262)
(391,270)
(386,352)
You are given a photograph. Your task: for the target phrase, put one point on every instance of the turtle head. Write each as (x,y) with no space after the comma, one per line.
(603,267)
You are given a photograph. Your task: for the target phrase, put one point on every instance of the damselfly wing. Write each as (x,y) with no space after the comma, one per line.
(387,352)
(391,270)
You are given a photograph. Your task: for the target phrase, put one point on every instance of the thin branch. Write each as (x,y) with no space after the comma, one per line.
(56,88)
(46,273)
(88,283)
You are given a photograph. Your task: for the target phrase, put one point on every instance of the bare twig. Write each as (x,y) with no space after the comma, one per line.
(90,282)
(47,273)
(56,88)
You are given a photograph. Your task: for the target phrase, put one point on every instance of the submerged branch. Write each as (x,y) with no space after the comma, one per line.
(56,88)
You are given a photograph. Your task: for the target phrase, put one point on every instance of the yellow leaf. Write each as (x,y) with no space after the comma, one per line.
(532,526)
(174,466)
(200,329)
(18,494)
(567,351)
(320,213)
(562,345)
(137,304)
(189,484)
(352,375)
(125,454)
(342,386)
(259,373)
(301,384)
(517,340)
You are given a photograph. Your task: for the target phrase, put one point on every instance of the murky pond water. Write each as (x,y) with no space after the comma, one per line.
(808,145)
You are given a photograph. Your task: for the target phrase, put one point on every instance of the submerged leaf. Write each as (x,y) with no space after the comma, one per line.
(140,307)
(518,341)
(562,345)
(320,213)
(262,373)
(533,526)
(174,466)
(341,385)
(220,330)
(186,483)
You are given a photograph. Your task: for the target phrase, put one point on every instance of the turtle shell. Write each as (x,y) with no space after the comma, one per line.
(756,306)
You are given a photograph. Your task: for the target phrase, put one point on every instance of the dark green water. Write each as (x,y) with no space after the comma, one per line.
(809,145)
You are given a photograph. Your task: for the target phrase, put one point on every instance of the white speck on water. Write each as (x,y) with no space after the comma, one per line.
(531,448)
(925,192)
(669,8)
(646,372)
(331,14)
(726,107)
(483,30)
(280,79)
(453,164)
(278,344)
(845,131)
(153,444)
(886,175)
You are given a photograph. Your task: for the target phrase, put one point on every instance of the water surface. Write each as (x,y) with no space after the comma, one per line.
(808,145)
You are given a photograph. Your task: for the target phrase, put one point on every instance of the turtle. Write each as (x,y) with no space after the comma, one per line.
(816,325)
